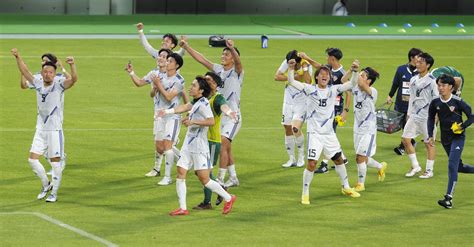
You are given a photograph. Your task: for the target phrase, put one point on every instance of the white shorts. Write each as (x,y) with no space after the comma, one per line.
(196,161)
(329,144)
(49,143)
(365,144)
(230,129)
(415,128)
(166,129)
(291,112)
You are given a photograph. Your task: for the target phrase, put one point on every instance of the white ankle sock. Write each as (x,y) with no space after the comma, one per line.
(374,164)
(300,146)
(181,191)
(232,172)
(38,169)
(290,146)
(414,161)
(429,165)
(342,172)
(221,174)
(169,161)
(158,160)
(215,187)
(56,176)
(307,178)
(362,172)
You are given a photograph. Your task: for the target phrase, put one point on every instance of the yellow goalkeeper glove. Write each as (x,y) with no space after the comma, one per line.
(456,128)
(339,121)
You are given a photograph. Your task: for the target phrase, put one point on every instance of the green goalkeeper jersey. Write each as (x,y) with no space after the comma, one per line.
(216,101)
(449,71)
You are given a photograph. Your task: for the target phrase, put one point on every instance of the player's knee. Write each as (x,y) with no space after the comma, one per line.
(336,156)
(295,130)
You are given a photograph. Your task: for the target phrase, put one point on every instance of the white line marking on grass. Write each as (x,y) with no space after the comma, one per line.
(64,225)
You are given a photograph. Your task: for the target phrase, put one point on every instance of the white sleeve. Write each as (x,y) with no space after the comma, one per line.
(410,100)
(374,94)
(296,84)
(348,85)
(206,111)
(434,90)
(178,86)
(147,78)
(217,68)
(283,67)
(152,51)
(181,52)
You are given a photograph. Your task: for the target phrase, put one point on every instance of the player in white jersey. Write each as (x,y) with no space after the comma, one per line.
(195,150)
(423,90)
(169,41)
(232,74)
(320,116)
(160,72)
(294,108)
(365,124)
(49,139)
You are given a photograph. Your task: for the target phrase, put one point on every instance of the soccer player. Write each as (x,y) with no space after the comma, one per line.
(49,139)
(422,91)
(341,108)
(195,150)
(232,74)
(449,109)
(160,128)
(365,125)
(321,136)
(458,78)
(401,84)
(169,41)
(294,108)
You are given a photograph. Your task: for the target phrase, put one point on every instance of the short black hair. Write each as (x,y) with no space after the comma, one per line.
(177,58)
(51,57)
(413,52)
(203,85)
(334,52)
(172,37)
(215,77)
(372,74)
(165,50)
(428,59)
(49,64)
(323,67)
(293,54)
(445,79)
(228,49)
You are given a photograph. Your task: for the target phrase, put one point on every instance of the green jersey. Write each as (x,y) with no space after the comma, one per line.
(216,101)
(449,71)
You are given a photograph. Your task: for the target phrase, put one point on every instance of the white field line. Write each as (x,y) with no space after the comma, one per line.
(64,225)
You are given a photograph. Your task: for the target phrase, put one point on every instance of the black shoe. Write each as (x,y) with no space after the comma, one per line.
(446,202)
(220,199)
(323,168)
(399,150)
(203,206)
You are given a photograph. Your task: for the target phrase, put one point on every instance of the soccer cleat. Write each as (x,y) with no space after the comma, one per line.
(52,198)
(228,205)
(305,200)
(381,172)
(300,162)
(165,181)
(359,187)
(44,191)
(350,192)
(203,206)
(399,150)
(413,171)
(232,182)
(323,168)
(179,212)
(427,174)
(447,202)
(153,173)
(289,163)
(219,198)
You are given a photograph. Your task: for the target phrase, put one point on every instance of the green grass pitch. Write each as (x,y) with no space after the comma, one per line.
(108,132)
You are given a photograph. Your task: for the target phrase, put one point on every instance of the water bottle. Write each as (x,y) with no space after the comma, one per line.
(264,41)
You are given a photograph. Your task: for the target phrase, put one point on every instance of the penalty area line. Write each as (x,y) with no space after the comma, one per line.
(64,225)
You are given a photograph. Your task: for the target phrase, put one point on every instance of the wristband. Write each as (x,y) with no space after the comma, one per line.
(64,70)
(346,109)
(169,111)
(132,73)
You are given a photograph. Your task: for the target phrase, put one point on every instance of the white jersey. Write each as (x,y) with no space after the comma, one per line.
(293,95)
(232,85)
(152,51)
(365,121)
(196,137)
(422,91)
(169,83)
(320,107)
(50,102)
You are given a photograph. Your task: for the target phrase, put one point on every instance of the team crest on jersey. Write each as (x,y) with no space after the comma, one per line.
(452,108)
(334,78)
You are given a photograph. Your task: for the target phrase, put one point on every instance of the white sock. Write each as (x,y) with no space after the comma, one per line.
(429,165)
(169,161)
(307,178)
(176,152)
(221,174)
(232,172)
(343,156)
(300,146)
(56,176)
(181,191)
(374,164)
(63,162)
(362,172)
(38,169)
(217,188)
(341,171)
(290,146)
(414,161)
(158,160)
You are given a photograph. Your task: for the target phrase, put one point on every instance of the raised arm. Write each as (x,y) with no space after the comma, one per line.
(168,95)
(354,78)
(196,55)
(23,82)
(314,63)
(22,66)
(291,76)
(136,80)
(178,109)
(152,51)
(235,55)
(232,114)
(69,82)
(59,64)
(204,122)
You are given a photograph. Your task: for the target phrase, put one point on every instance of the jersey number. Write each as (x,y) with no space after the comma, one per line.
(312,153)
(43,96)
(322,102)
